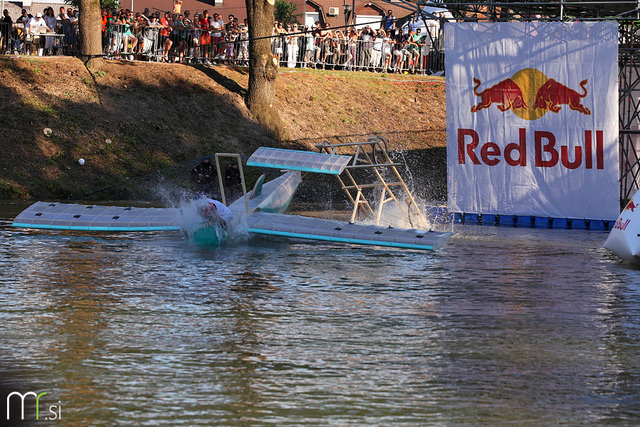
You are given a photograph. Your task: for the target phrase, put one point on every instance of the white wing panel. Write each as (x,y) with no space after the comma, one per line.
(62,216)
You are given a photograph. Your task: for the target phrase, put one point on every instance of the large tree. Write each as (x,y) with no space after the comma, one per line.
(285,12)
(263,67)
(90,29)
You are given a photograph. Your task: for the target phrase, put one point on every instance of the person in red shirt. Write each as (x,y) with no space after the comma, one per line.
(105,18)
(205,37)
(165,40)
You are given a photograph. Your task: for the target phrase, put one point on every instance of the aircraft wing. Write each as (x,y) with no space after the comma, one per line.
(64,216)
(297,160)
(294,226)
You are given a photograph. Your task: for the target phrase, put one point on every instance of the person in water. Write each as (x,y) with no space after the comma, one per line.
(218,212)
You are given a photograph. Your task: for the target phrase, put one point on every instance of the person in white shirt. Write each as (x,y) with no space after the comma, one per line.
(292,47)
(243,54)
(37,25)
(24,19)
(376,53)
(216,25)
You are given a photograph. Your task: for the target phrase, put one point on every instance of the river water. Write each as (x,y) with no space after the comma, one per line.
(502,326)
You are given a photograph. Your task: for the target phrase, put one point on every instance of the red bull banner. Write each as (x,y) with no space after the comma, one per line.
(532,119)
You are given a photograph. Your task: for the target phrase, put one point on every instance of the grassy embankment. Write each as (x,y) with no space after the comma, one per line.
(132,119)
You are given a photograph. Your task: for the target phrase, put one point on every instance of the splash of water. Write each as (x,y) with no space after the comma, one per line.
(196,225)
(398,216)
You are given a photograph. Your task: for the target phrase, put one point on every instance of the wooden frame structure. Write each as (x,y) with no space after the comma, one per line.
(244,187)
(372,155)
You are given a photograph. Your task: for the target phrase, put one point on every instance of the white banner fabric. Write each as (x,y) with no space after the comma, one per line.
(532,118)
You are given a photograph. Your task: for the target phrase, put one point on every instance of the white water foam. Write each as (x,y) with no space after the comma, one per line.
(192,217)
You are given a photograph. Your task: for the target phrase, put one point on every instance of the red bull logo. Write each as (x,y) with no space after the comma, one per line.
(630,206)
(506,93)
(530,95)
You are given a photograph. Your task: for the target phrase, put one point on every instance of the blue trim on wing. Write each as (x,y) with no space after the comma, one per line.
(339,239)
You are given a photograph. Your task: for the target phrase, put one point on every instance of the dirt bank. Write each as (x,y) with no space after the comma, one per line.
(132,119)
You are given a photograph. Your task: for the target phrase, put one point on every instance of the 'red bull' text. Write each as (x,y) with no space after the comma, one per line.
(621,224)
(547,152)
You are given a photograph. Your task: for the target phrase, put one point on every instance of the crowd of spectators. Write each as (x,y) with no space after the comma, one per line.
(201,37)
(383,49)
(175,36)
(45,33)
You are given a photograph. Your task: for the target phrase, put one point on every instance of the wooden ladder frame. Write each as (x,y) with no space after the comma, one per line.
(364,156)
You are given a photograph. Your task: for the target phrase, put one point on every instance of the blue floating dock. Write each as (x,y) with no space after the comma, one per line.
(437,213)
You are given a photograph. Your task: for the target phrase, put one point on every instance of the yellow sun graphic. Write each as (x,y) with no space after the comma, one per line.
(529,81)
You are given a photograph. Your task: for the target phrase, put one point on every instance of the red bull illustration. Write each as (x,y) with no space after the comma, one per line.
(507,93)
(530,95)
(553,94)
(630,206)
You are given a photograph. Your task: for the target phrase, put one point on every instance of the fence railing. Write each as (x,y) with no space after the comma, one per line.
(15,39)
(302,50)
(380,55)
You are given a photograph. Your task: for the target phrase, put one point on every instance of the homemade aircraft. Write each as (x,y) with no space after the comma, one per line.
(262,210)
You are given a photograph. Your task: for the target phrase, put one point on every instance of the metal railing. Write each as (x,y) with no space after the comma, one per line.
(177,45)
(305,50)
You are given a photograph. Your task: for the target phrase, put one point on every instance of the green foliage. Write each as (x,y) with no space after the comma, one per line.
(285,12)
(111,4)
(130,140)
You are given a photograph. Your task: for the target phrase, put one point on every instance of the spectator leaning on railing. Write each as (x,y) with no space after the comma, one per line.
(165,39)
(126,21)
(139,23)
(70,30)
(292,47)
(376,52)
(217,26)
(366,46)
(205,37)
(387,49)
(326,37)
(243,54)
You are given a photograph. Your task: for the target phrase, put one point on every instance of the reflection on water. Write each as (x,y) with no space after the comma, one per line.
(502,326)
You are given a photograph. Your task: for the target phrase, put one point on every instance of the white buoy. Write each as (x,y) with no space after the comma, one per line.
(81,161)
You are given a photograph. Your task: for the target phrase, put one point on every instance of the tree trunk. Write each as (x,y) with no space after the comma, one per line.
(90,28)
(263,67)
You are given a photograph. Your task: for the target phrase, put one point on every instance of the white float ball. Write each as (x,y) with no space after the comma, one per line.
(81,161)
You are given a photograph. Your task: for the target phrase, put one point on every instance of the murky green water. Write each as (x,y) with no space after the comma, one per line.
(504,326)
